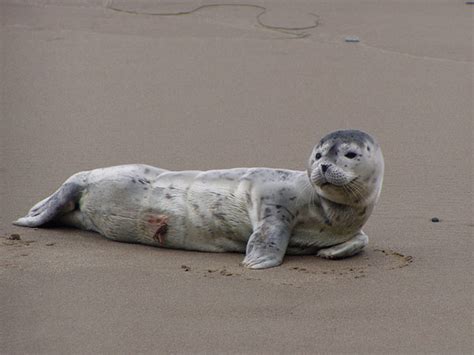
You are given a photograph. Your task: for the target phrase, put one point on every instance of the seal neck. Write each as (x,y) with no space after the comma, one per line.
(342,216)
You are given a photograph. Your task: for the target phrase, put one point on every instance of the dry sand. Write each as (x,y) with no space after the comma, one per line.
(87,87)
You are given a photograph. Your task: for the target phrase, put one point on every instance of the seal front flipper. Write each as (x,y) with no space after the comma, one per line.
(352,247)
(267,244)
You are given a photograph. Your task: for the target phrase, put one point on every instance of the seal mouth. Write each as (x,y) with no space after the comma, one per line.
(325,183)
(331,178)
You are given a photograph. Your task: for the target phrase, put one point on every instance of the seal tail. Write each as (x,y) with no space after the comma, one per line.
(64,200)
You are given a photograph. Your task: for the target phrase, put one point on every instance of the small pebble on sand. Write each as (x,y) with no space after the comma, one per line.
(352,39)
(435,219)
(14,236)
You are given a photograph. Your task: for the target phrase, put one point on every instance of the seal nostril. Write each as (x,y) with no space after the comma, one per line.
(324,167)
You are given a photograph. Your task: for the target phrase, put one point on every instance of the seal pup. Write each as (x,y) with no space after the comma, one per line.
(263,212)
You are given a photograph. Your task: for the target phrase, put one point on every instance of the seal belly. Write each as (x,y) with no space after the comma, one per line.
(183,211)
(113,208)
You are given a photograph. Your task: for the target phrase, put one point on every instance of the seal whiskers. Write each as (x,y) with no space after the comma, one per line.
(355,189)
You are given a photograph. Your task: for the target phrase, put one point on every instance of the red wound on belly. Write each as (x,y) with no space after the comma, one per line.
(161,222)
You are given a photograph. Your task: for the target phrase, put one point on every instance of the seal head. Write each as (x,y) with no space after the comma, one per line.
(346,167)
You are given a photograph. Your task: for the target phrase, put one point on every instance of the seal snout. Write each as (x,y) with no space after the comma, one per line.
(324,167)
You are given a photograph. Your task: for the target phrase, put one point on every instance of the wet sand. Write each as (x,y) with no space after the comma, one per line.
(84,87)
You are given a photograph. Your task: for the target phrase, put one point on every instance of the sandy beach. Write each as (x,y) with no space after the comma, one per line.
(88,84)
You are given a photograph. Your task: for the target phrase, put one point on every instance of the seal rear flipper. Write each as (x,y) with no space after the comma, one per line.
(64,200)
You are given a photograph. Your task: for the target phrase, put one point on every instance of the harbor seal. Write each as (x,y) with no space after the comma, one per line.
(263,212)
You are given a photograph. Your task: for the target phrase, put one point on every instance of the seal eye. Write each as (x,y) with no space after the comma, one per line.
(350,155)
(318,156)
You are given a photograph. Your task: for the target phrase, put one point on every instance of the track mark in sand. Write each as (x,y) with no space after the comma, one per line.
(14,236)
(372,261)
(14,240)
(185,268)
(404,260)
(299,272)
(220,272)
(295,32)
(14,247)
(355,271)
